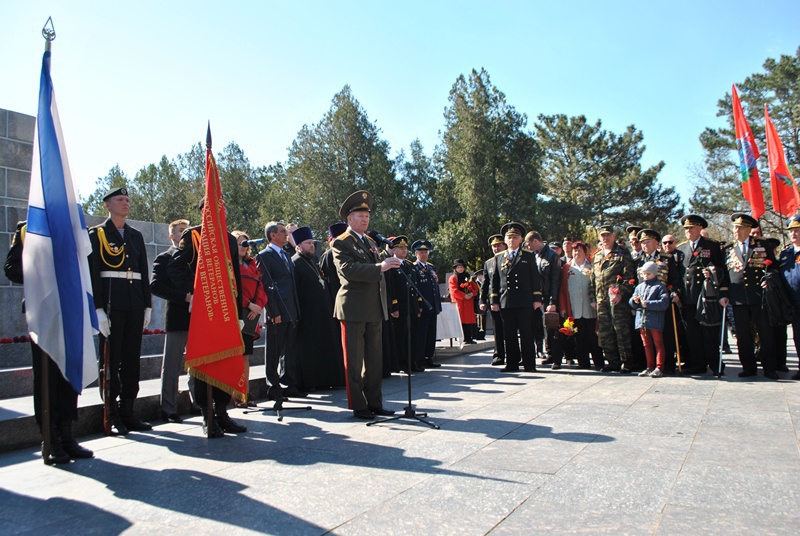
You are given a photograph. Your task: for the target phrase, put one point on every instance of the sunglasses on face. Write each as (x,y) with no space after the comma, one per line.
(668,242)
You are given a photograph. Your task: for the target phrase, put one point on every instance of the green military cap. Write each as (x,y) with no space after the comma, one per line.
(646,234)
(690,220)
(421,245)
(743,220)
(633,230)
(357,201)
(512,229)
(496,239)
(605,229)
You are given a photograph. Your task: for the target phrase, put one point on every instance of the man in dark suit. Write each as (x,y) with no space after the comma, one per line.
(361,306)
(549,263)
(119,270)
(429,287)
(405,307)
(277,274)
(181,271)
(702,259)
(789,265)
(747,261)
(497,245)
(516,291)
(177,324)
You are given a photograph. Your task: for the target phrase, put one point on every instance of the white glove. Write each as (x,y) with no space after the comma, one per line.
(148,313)
(102,323)
(241,325)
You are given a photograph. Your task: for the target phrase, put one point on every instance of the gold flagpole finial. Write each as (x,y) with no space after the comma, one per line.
(48,32)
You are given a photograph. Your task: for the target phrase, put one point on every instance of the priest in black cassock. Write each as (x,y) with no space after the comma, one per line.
(319,353)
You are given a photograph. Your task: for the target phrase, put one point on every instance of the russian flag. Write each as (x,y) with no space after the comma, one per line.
(59,306)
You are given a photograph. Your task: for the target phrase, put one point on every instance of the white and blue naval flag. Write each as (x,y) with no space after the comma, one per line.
(58,290)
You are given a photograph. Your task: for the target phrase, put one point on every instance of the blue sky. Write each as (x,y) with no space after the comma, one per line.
(138,80)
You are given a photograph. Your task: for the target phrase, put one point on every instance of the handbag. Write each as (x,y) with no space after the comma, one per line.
(250,326)
(552,320)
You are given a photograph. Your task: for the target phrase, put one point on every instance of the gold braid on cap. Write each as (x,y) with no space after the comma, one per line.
(111,252)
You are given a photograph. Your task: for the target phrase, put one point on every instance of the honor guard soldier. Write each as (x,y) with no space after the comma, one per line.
(361,306)
(121,287)
(403,299)
(429,287)
(515,292)
(181,271)
(615,278)
(701,256)
(669,274)
(789,265)
(749,258)
(498,245)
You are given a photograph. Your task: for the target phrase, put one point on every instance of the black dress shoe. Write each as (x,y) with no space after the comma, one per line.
(783,369)
(57,455)
(76,451)
(497,361)
(610,368)
(172,417)
(529,369)
(117,426)
(381,411)
(548,361)
(796,376)
(555,366)
(624,370)
(772,376)
(430,364)
(229,425)
(744,374)
(509,369)
(363,414)
(194,409)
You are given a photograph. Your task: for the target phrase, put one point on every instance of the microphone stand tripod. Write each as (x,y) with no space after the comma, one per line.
(409,412)
(278,406)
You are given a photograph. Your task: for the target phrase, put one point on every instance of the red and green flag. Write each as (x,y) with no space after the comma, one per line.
(748,159)
(785,197)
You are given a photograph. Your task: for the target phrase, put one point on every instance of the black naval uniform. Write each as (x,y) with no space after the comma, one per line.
(121,287)
(402,299)
(499,356)
(426,341)
(703,340)
(515,286)
(745,295)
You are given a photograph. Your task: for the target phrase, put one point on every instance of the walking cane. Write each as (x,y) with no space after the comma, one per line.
(721,342)
(677,343)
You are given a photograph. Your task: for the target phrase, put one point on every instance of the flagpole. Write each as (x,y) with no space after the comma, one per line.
(209,397)
(49,34)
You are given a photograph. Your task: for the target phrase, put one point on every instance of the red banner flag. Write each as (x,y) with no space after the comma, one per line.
(748,159)
(214,350)
(785,197)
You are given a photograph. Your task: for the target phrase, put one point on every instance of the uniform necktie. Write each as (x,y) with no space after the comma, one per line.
(285,259)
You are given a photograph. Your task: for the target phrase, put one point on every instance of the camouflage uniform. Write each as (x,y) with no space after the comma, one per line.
(614,323)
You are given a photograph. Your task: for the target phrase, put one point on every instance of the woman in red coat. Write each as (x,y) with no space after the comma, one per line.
(253,300)
(463,291)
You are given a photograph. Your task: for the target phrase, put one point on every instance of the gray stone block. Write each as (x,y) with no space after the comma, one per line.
(18,184)
(15,154)
(3,123)
(144,227)
(545,517)
(5,243)
(14,215)
(683,520)
(21,127)
(91,221)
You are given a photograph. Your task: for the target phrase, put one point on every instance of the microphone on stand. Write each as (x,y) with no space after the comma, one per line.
(248,243)
(376,236)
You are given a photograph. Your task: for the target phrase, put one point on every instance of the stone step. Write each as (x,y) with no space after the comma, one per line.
(18,427)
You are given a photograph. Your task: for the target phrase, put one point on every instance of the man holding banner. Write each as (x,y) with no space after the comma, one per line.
(214,351)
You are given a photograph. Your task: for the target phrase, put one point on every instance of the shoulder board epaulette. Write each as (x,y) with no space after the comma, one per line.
(345,235)
(682,243)
(594,252)
(369,238)
(716,241)
(431,265)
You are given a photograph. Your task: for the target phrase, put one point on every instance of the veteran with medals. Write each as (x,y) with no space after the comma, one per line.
(119,270)
(361,306)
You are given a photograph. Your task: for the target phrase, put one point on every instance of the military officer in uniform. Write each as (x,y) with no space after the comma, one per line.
(702,259)
(361,306)
(669,275)
(615,277)
(633,239)
(789,265)
(406,306)
(429,287)
(497,244)
(119,270)
(516,291)
(747,261)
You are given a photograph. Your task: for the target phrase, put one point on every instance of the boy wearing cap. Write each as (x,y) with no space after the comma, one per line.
(121,287)
(650,300)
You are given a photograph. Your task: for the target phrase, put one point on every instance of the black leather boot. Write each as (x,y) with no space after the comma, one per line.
(216,431)
(69,444)
(129,419)
(117,426)
(57,456)
(227,424)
